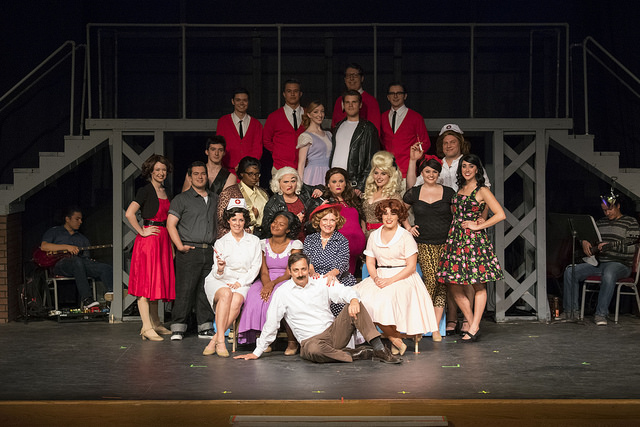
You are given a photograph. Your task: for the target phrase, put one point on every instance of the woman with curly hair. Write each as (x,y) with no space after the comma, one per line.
(314,146)
(237,263)
(394,294)
(328,249)
(275,253)
(338,190)
(289,194)
(383,183)
(151,277)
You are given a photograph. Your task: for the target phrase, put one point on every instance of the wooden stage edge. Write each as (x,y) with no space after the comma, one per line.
(474,412)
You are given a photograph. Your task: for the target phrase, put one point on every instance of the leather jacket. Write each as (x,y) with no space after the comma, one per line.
(364,144)
(277,204)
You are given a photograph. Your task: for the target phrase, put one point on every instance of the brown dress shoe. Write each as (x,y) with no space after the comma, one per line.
(385,356)
(361,352)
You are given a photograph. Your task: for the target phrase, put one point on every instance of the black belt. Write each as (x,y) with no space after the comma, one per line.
(198,245)
(148,222)
(391,266)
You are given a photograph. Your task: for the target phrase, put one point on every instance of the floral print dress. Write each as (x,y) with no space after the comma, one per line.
(468,255)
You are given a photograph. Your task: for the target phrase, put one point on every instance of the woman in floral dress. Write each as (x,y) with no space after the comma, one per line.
(468,258)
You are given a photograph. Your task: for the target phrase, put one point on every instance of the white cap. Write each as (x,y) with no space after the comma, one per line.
(451,127)
(237,203)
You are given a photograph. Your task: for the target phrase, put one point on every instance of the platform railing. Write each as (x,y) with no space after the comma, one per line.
(559,29)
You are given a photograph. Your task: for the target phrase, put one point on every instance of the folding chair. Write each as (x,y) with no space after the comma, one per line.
(630,282)
(53,280)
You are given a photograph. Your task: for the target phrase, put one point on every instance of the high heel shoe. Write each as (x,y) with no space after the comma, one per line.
(398,347)
(208,350)
(161,330)
(221,349)
(435,336)
(291,350)
(451,331)
(472,337)
(146,334)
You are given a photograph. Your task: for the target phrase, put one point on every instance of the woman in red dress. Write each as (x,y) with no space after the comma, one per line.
(151,277)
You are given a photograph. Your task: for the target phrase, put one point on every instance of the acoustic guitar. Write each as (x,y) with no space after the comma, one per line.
(50,258)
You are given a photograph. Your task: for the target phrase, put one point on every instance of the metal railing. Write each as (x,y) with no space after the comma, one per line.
(619,74)
(562,53)
(45,67)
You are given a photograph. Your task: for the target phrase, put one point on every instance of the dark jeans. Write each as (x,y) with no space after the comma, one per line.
(191,270)
(80,268)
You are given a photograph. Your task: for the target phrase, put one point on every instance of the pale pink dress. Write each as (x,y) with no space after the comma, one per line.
(405,303)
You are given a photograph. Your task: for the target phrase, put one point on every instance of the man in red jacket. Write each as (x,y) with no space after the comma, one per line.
(353,78)
(402,127)
(283,126)
(242,133)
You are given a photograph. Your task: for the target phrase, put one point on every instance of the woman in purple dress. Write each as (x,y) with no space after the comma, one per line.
(339,190)
(275,254)
(314,146)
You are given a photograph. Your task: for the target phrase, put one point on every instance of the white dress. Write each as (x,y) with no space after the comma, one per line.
(243,262)
(405,303)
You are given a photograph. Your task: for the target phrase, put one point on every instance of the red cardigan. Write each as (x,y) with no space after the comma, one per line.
(279,137)
(250,145)
(370,110)
(399,143)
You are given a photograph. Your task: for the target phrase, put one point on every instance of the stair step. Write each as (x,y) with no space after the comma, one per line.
(630,170)
(51,154)
(25,170)
(6,187)
(607,153)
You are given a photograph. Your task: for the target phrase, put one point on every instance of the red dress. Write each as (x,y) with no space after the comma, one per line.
(152,275)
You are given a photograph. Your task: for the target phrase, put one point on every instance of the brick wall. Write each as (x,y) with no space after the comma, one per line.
(10,265)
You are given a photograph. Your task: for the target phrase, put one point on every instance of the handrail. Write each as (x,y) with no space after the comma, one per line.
(15,94)
(585,50)
(279,27)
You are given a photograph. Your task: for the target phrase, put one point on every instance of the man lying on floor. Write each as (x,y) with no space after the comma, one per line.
(303,302)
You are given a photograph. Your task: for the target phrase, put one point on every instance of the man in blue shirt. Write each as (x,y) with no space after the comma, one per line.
(67,238)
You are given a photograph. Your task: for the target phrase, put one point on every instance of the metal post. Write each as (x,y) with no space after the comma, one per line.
(375,61)
(116,167)
(88,70)
(184,71)
(279,26)
(471,69)
(73,79)
(586,90)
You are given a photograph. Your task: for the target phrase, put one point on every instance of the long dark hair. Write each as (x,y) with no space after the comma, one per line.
(474,160)
(349,195)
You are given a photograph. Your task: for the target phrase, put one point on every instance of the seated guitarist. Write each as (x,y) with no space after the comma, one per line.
(615,254)
(79,266)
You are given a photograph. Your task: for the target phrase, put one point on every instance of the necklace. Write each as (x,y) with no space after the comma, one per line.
(325,239)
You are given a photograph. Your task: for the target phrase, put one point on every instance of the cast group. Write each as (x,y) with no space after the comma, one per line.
(364,200)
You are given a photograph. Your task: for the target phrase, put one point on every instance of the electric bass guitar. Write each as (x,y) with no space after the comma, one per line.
(50,258)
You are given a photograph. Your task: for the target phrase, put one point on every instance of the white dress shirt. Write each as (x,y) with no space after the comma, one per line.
(245,123)
(288,111)
(306,310)
(401,114)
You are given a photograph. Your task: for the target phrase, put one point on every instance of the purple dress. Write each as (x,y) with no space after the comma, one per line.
(254,313)
(317,156)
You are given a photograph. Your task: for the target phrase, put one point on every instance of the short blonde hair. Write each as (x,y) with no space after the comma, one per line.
(280,173)
(384,161)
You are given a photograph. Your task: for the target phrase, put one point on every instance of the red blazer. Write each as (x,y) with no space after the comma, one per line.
(250,145)
(279,137)
(399,143)
(370,110)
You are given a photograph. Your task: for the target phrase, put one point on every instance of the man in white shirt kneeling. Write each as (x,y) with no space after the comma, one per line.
(303,302)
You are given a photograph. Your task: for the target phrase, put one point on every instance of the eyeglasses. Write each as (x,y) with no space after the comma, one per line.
(396,93)
(352,76)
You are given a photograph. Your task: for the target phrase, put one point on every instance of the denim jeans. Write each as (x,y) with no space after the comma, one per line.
(80,268)
(191,270)
(610,272)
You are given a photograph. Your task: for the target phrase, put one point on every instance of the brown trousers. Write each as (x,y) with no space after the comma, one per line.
(328,346)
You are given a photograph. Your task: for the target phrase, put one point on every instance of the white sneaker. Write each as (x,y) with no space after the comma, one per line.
(600,320)
(176,335)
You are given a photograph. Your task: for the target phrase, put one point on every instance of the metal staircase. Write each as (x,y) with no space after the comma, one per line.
(27,181)
(604,164)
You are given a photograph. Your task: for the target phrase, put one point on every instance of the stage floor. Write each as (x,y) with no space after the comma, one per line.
(527,360)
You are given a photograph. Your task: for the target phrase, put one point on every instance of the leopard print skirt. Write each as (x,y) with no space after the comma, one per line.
(429,258)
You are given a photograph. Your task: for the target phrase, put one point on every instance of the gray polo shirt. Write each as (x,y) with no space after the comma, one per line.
(197,221)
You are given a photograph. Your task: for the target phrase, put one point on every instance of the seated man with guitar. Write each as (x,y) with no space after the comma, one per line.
(66,249)
(615,253)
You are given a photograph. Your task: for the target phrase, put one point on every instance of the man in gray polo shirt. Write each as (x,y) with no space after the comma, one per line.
(192,227)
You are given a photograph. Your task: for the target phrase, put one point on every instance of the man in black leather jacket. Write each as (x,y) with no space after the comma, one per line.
(355,141)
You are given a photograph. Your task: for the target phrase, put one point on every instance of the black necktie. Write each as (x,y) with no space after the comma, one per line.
(295,120)
(240,129)
(393,122)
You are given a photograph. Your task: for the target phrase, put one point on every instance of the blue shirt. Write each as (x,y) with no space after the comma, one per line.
(60,236)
